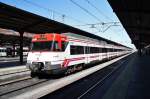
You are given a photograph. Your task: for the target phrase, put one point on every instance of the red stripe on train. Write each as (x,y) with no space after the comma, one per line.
(67,61)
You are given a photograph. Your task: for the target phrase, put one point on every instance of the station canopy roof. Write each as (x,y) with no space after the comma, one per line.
(9,37)
(135,17)
(23,21)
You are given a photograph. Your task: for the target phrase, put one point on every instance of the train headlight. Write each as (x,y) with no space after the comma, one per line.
(47,65)
(28,61)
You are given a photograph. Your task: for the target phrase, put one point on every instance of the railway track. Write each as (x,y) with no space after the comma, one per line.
(100,82)
(9,88)
(14,81)
(16,72)
(14,86)
(30,85)
(14,77)
(98,89)
(85,86)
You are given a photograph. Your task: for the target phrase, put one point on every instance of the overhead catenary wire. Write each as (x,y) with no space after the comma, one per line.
(86,11)
(111,23)
(53,11)
(91,4)
(104,23)
(93,24)
(64,16)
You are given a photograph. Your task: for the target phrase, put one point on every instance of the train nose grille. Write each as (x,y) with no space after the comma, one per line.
(38,65)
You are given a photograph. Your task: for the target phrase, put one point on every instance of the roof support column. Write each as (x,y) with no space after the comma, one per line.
(14,51)
(139,52)
(139,44)
(21,47)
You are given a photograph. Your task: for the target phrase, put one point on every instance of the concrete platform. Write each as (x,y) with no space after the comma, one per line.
(11,65)
(133,82)
(7,62)
(5,59)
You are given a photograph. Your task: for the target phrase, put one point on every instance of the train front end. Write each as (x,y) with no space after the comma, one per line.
(47,54)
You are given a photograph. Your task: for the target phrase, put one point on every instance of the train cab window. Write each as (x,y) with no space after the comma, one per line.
(46,45)
(64,45)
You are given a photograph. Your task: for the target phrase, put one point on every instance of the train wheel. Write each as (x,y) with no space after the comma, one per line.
(68,71)
(79,67)
(74,68)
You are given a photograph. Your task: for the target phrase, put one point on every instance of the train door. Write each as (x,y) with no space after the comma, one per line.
(100,54)
(87,52)
(105,54)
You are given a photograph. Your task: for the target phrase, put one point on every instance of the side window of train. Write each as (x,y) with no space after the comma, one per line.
(100,50)
(80,49)
(64,45)
(96,50)
(111,50)
(72,50)
(76,50)
(108,49)
(104,50)
(87,50)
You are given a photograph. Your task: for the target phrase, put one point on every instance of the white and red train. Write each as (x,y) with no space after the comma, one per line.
(63,53)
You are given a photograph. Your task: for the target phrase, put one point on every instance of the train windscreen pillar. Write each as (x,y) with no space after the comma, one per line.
(21,47)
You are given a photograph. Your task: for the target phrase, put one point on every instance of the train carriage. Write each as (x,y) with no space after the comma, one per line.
(63,53)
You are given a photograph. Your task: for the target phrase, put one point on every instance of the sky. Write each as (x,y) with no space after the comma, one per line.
(81,14)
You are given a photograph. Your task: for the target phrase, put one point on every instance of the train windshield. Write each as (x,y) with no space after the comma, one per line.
(45,46)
